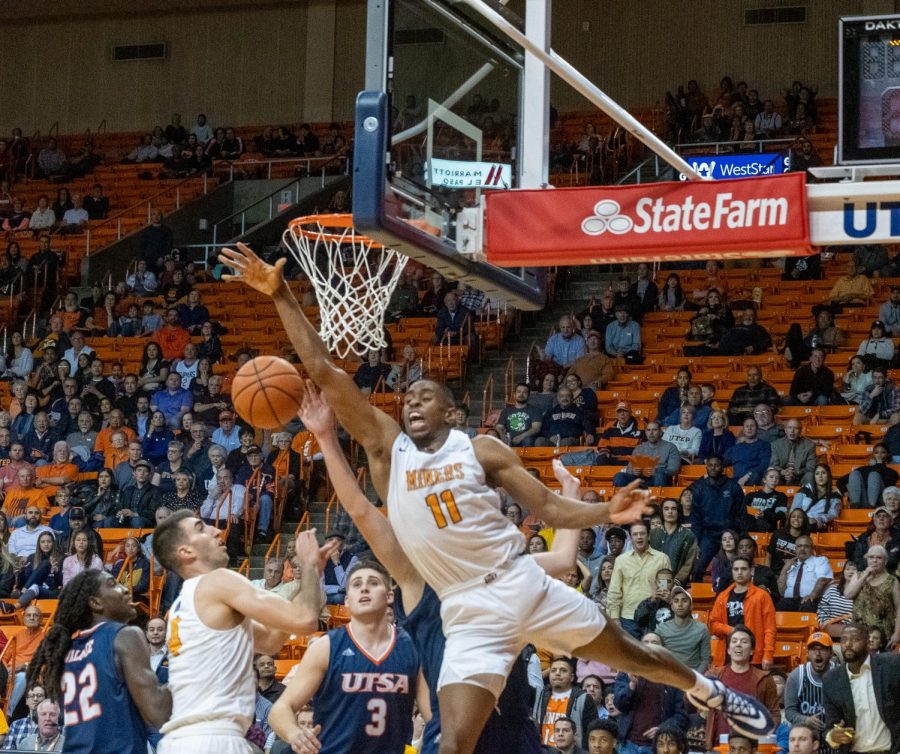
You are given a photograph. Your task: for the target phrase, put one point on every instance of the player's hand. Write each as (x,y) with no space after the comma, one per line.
(571,486)
(314,412)
(309,553)
(259,275)
(629,504)
(305,740)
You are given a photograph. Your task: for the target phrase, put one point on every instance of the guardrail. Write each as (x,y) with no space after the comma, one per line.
(308,162)
(734,146)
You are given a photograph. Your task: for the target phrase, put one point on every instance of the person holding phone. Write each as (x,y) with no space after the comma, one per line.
(658,608)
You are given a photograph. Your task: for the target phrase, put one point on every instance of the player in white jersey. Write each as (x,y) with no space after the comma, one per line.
(216,625)
(493,601)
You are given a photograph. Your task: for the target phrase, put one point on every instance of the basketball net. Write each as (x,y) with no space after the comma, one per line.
(353,277)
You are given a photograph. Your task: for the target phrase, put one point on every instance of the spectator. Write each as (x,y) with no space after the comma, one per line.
(656,610)
(674,396)
(865,484)
(139,499)
(337,567)
(404,300)
(738,673)
(96,204)
(717,438)
(721,564)
(853,289)
(643,290)
(146,151)
(685,436)
(876,595)
(632,579)
(51,160)
(671,297)
(768,123)
(665,454)
(564,424)
(769,503)
(749,457)
(803,579)
(227,435)
(18,220)
(562,698)
(794,456)
(173,402)
(623,337)
(850,723)
(717,502)
(856,379)
(594,368)
(202,131)
(645,708)
(804,702)
(676,541)
(586,400)
(889,312)
(372,374)
(882,531)
(879,403)
(82,556)
(23,727)
(746,397)
(835,603)
(694,399)
(746,337)
(172,336)
(232,146)
(266,685)
(142,282)
(877,349)
(136,577)
(43,218)
(743,603)
(819,499)
(824,334)
(156,441)
(683,636)
(813,383)
(520,423)
(258,479)
(155,241)
(454,323)
(782,543)
(564,347)
(763,576)
(564,736)
(83,163)
(616,442)
(870,259)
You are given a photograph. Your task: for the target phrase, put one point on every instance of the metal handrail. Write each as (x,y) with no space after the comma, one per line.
(706,145)
(117,218)
(636,171)
(325,161)
(293,186)
(53,131)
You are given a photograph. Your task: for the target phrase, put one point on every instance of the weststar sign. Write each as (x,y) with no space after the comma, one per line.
(726,219)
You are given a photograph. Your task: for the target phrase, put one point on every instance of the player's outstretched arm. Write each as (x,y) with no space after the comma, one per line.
(153,700)
(504,469)
(372,428)
(564,552)
(300,690)
(317,417)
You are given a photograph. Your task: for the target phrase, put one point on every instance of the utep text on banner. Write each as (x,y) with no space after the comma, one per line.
(728,219)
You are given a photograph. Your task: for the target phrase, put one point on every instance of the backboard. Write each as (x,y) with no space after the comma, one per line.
(438,125)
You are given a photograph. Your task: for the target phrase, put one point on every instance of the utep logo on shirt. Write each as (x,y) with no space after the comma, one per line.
(377,683)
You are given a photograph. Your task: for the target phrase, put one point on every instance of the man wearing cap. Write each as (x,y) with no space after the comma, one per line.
(853,289)
(139,500)
(78,521)
(259,480)
(880,401)
(666,455)
(623,336)
(616,442)
(684,637)
(878,348)
(744,603)
(889,312)
(174,402)
(226,434)
(804,698)
(861,697)
(337,567)
(634,578)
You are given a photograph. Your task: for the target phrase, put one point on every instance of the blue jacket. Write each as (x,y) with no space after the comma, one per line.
(718,445)
(566,422)
(627,700)
(701,417)
(749,457)
(717,506)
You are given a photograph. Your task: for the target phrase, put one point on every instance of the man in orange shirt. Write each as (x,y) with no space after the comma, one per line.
(27,642)
(116,424)
(23,495)
(117,452)
(52,475)
(172,338)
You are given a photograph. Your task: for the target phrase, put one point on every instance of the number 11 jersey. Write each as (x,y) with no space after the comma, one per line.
(100,715)
(446,518)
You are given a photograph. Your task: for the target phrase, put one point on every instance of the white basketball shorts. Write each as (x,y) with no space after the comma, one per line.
(487,625)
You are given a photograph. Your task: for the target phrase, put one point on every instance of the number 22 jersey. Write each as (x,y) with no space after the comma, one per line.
(100,715)
(446,518)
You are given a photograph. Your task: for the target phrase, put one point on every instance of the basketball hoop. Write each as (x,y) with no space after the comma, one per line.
(353,277)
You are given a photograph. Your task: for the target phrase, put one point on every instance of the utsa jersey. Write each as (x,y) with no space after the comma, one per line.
(100,715)
(509,728)
(365,704)
(440,504)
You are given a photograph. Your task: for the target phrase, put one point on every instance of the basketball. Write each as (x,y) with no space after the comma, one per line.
(266,392)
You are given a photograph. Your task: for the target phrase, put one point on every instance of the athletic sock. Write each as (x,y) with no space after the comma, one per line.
(703,687)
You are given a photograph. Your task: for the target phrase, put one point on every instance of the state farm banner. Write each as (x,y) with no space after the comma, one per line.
(726,219)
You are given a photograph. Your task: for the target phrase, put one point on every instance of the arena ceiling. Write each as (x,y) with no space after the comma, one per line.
(30,10)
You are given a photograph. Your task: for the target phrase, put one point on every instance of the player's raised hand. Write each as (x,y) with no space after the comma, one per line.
(571,486)
(314,412)
(305,740)
(263,277)
(629,504)
(309,553)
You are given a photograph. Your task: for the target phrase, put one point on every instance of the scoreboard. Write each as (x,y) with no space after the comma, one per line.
(869,106)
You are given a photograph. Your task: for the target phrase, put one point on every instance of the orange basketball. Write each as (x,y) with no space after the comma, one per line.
(267,392)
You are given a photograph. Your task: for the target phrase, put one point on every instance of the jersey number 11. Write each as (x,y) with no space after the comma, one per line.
(435,502)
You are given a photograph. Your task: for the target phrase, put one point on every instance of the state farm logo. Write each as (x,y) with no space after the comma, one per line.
(607,217)
(656,215)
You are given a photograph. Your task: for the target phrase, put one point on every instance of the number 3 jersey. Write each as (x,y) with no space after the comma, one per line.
(100,716)
(446,518)
(365,703)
